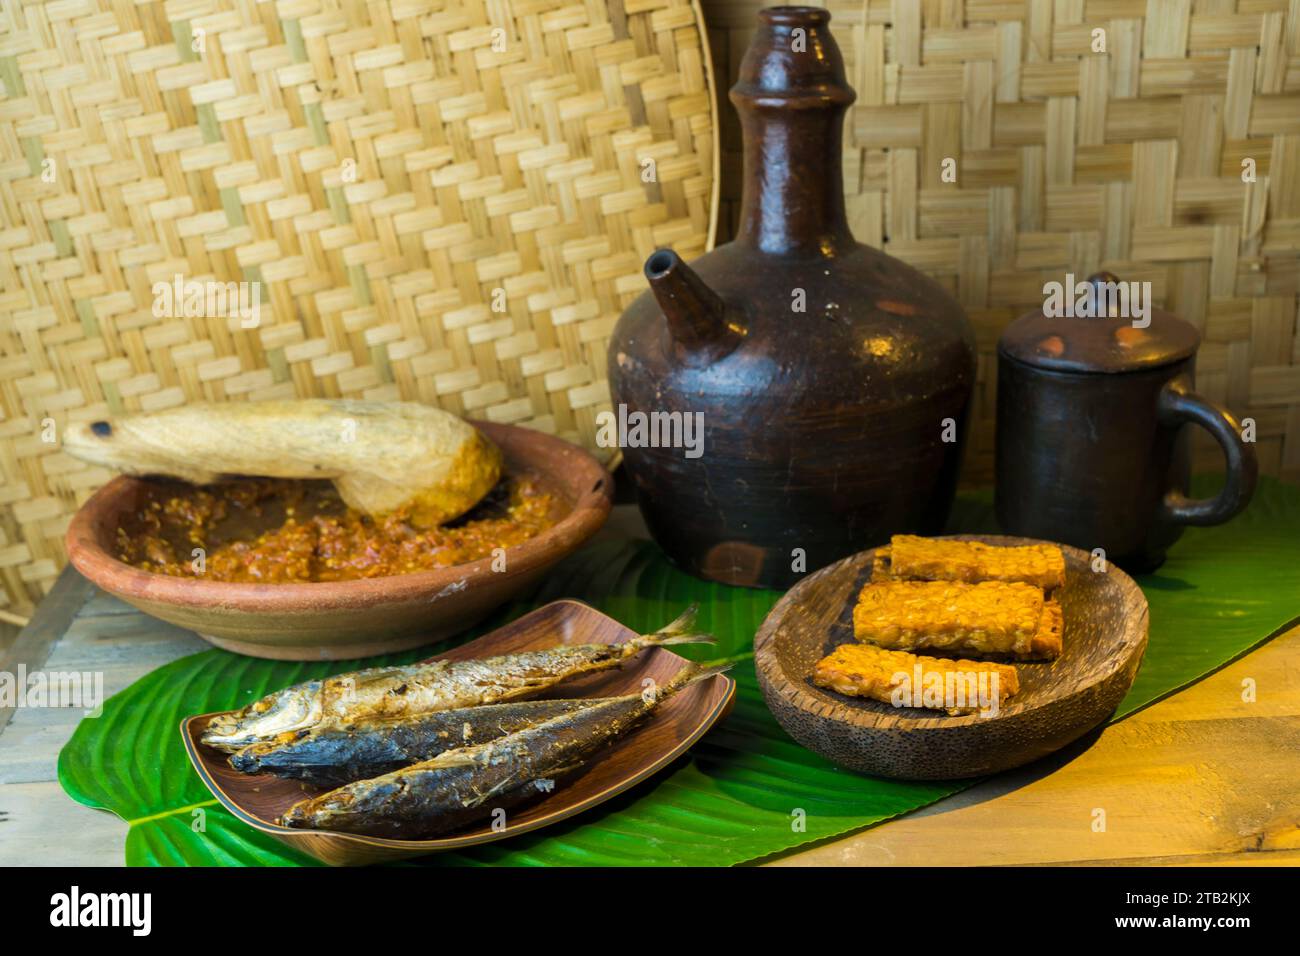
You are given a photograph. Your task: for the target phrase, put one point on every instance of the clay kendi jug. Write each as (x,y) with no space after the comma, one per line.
(831,381)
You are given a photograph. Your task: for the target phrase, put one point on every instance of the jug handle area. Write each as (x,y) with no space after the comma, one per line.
(1177,405)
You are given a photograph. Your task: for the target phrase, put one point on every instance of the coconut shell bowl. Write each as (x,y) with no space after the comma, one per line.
(1104,637)
(340,620)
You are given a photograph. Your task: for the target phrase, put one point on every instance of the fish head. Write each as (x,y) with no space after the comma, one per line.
(292,709)
(97,442)
(157,444)
(248,760)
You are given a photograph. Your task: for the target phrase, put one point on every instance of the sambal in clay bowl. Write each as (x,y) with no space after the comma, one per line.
(282,569)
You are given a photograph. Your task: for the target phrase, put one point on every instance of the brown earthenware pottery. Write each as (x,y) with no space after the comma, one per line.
(832,381)
(1059,701)
(260,799)
(338,620)
(1092,448)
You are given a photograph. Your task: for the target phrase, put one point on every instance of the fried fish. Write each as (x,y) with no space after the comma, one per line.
(382,457)
(461,786)
(385,693)
(333,756)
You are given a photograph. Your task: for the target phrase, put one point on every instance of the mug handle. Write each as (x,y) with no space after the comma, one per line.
(1177,405)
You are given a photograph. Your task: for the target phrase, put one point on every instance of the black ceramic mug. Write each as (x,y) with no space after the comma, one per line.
(1092,448)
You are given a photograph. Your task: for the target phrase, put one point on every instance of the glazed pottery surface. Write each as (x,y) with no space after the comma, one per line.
(339,620)
(831,381)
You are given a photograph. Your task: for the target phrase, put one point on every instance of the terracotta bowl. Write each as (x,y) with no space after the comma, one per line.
(346,619)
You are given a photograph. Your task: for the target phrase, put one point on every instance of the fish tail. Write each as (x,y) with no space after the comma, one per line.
(687,639)
(679,631)
(693,673)
(684,623)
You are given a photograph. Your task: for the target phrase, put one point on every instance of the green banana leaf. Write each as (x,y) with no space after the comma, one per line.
(746,790)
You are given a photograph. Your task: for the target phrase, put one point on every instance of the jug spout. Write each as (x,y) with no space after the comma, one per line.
(698,319)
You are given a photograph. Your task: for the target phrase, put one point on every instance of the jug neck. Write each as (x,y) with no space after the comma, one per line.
(791,94)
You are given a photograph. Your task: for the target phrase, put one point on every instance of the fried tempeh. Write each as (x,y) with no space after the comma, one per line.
(863,670)
(911,558)
(992,617)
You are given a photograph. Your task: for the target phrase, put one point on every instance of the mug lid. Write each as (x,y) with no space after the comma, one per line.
(1099,325)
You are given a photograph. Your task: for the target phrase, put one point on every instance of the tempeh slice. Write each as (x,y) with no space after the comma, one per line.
(989,618)
(1047,642)
(863,670)
(911,558)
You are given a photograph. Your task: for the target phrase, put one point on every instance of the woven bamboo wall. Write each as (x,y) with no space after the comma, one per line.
(1070,160)
(1067,160)
(442,201)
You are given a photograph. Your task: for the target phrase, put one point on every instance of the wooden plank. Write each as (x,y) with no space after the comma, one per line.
(40,826)
(1202,778)
(8,634)
(52,617)
(1206,777)
(106,638)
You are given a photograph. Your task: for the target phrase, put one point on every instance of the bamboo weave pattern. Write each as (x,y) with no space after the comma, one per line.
(442,200)
(1070,160)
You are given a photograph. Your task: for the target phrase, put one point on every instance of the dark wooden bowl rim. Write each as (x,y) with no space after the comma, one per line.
(791,688)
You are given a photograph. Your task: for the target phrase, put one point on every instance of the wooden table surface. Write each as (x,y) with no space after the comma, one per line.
(1203,777)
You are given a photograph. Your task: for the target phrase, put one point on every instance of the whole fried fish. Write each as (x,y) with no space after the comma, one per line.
(381,456)
(383,693)
(466,784)
(333,756)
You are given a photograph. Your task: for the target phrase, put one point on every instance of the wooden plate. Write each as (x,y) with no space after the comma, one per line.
(260,799)
(1104,639)
(339,620)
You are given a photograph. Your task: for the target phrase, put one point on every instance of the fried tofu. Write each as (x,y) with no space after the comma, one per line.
(903,679)
(991,618)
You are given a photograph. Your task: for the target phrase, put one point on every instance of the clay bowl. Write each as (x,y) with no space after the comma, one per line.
(259,799)
(348,619)
(1104,638)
